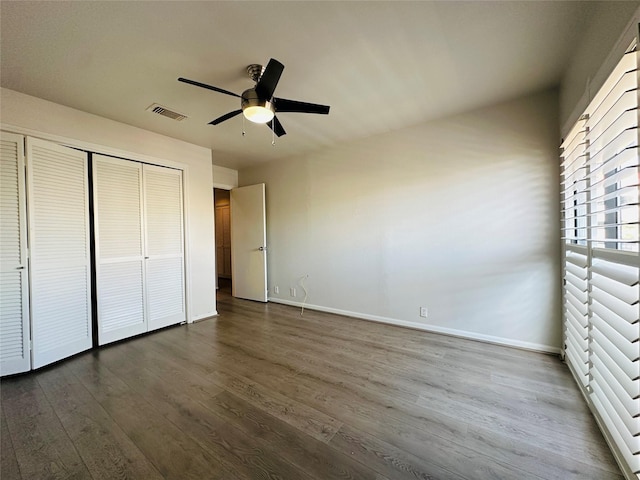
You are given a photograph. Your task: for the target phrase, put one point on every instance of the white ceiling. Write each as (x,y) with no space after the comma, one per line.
(380,65)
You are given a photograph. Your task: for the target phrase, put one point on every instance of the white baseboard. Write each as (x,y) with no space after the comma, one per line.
(536,347)
(203,317)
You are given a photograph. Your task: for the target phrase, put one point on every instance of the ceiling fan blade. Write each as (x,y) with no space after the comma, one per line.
(269,79)
(276,126)
(208,87)
(224,117)
(284,105)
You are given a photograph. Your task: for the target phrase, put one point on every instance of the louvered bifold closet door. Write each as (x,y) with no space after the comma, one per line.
(15,355)
(117,190)
(164,241)
(615,371)
(58,199)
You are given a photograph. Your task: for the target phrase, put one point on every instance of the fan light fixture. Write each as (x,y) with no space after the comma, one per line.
(258,114)
(258,104)
(256,109)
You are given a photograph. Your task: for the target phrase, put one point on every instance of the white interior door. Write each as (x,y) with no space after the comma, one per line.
(15,355)
(58,199)
(249,242)
(164,246)
(120,272)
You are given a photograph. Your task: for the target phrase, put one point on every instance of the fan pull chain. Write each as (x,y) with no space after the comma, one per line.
(243,132)
(273,132)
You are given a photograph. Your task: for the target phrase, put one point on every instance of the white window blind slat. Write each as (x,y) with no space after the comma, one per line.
(579,366)
(633,460)
(573,275)
(579,340)
(613,372)
(627,293)
(631,405)
(616,155)
(626,274)
(620,103)
(579,260)
(580,322)
(630,367)
(574,181)
(577,276)
(579,317)
(624,328)
(580,296)
(620,99)
(630,348)
(628,63)
(610,404)
(615,305)
(604,179)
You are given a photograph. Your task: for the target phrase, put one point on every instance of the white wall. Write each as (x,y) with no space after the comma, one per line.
(48,120)
(459,215)
(225,178)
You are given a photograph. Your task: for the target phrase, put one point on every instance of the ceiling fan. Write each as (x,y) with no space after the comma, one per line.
(258,103)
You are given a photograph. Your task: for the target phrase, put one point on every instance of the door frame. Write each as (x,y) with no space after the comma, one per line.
(228,187)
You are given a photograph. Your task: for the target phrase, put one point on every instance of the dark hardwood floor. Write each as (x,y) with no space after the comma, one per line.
(261,392)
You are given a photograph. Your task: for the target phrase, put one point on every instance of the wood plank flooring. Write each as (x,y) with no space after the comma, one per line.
(261,392)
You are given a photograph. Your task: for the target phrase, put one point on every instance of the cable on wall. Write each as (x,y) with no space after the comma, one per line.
(306,294)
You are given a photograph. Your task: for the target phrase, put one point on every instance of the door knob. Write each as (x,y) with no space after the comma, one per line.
(262,249)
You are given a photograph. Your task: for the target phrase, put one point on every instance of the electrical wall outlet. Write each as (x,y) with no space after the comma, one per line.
(292,291)
(423,312)
(276,289)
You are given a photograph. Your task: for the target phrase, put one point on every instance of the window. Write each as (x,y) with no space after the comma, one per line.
(601,233)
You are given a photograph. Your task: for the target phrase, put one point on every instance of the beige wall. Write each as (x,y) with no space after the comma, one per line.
(40,118)
(224,177)
(459,215)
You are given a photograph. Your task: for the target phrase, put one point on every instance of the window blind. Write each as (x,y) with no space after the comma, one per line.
(600,175)
(612,142)
(576,314)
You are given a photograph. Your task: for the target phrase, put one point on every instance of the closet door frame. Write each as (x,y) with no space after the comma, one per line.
(158,261)
(98,149)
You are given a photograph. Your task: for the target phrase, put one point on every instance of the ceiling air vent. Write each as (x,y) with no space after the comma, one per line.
(165,112)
